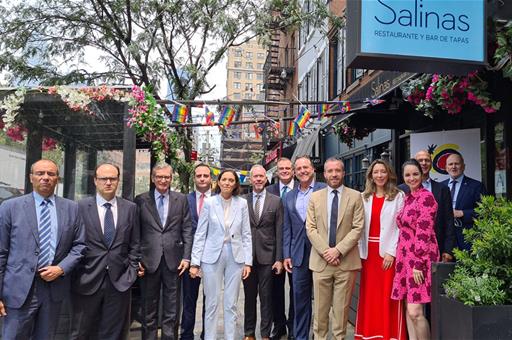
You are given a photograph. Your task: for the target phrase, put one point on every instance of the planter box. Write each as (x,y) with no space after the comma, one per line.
(452,320)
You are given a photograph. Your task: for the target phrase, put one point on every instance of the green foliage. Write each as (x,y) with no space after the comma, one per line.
(502,55)
(483,275)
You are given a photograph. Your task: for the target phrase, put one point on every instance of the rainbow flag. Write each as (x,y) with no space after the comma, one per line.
(179,113)
(210,117)
(227,115)
(302,117)
(344,107)
(322,109)
(292,130)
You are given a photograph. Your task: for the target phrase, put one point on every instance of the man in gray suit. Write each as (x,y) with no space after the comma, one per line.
(266,217)
(101,283)
(41,241)
(166,243)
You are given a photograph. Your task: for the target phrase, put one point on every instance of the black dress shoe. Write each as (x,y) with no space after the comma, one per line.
(278,333)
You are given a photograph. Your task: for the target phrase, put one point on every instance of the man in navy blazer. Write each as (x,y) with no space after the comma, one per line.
(296,245)
(466,193)
(41,242)
(202,182)
(101,283)
(285,184)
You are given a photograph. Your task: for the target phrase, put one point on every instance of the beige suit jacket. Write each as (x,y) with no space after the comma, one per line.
(350,227)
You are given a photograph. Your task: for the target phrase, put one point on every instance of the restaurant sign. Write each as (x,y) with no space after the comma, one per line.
(445,36)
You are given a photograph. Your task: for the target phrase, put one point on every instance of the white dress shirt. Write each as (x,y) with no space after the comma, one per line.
(102,210)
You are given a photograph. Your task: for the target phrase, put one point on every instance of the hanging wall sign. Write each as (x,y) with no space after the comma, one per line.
(432,36)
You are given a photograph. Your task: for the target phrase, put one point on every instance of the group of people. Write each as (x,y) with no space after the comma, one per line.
(319,235)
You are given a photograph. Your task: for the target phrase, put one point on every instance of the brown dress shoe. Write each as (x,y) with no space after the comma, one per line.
(249,338)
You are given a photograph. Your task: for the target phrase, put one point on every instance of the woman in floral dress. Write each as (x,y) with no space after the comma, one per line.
(417,249)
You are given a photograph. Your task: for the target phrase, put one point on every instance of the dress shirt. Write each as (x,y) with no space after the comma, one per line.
(427,184)
(226,205)
(303,200)
(38,199)
(198,196)
(457,188)
(166,202)
(262,199)
(102,210)
(330,197)
(289,185)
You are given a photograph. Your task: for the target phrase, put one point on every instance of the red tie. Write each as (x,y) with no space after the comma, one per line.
(201,202)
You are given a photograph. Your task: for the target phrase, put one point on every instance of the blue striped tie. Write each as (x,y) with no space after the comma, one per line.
(45,235)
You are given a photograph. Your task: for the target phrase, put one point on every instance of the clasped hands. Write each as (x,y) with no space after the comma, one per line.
(332,256)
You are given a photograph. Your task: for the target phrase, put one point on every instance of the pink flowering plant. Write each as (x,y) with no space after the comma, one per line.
(348,134)
(434,93)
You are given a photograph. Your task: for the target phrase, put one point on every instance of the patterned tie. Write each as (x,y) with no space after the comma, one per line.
(201,202)
(283,191)
(109,228)
(257,208)
(160,208)
(334,220)
(452,190)
(45,235)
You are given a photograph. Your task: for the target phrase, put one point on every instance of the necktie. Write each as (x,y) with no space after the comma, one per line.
(257,208)
(160,209)
(452,190)
(283,191)
(201,202)
(45,235)
(334,220)
(109,228)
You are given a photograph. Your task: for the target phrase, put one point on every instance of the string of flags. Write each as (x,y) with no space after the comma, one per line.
(242,174)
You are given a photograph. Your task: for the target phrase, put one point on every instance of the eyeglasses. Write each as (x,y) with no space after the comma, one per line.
(166,178)
(106,179)
(42,173)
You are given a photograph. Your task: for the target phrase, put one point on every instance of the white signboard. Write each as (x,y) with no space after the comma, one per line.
(441,144)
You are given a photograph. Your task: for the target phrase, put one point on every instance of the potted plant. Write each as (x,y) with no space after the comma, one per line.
(477,299)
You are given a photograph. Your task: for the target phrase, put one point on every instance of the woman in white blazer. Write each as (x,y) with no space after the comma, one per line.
(222,249)
(377,315)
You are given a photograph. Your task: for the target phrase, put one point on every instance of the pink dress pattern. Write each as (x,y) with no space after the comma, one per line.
(417,247)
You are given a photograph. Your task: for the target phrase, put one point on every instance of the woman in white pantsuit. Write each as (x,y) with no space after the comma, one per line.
(222,249)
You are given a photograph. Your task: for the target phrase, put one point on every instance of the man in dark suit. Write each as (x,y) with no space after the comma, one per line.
(202,182)
(286,183)
(166,243)
(41,242)
(465,193)
(266,218)
(444,227)
(296,245)
(101,283)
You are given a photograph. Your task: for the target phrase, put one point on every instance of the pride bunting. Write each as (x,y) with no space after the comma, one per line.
(179,113)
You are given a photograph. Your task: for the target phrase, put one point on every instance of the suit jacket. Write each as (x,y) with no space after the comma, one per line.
(120,260)
(209,237)
(389,231)
(172,240)
(192,204)
(274,188)
(470,194)
(444,227)
(267,233)
(19,247)
(348,232)
(295,240)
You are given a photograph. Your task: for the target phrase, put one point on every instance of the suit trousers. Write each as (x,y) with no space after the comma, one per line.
(280,322)
(259,283)
(190,289)
(302,288)
(332,288)
(103,315)
(228,270)
(169,283)
(37,318)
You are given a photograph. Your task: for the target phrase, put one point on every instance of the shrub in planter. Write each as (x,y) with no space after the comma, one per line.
(483,275)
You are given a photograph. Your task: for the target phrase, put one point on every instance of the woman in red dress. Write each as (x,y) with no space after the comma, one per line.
(378,316)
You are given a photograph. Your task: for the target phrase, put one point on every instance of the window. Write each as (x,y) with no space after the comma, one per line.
(259,87)
(248,65)
(236,96)
(249,75)
(260,56)
(260,66)
(237,75)
(238,52)
(248,55)
(238,64)
(248,95)
(248,86)
(236,85)
(259,76)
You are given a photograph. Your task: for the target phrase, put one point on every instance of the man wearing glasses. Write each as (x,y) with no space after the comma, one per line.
(101,283)
(166,243)
(41,241)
